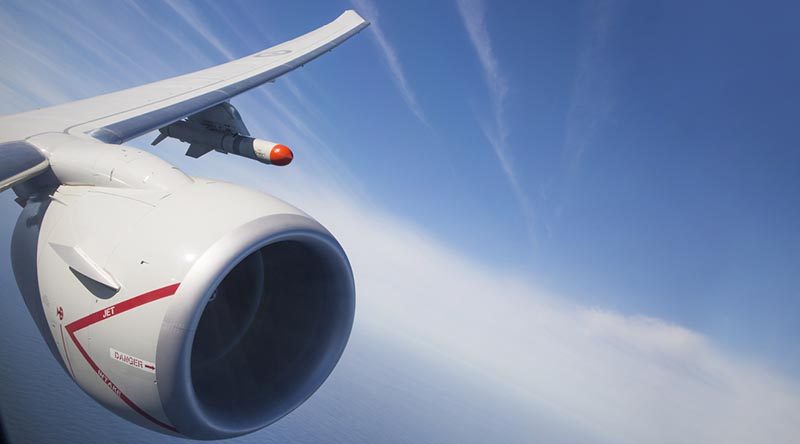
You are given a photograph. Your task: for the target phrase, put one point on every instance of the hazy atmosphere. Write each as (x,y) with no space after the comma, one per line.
(568,221)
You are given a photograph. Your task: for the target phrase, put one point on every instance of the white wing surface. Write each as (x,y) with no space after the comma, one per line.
(123,115)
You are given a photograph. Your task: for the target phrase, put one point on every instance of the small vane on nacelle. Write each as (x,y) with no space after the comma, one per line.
(221,128)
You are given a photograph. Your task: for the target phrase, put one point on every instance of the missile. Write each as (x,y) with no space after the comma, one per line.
(202,140)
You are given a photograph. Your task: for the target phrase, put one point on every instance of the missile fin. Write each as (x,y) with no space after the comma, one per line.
(198,150)
(158,139)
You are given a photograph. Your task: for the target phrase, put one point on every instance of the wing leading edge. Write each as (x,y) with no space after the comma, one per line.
(120,116)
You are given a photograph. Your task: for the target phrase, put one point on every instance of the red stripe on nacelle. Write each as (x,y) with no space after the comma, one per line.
(66,352)
(109,312)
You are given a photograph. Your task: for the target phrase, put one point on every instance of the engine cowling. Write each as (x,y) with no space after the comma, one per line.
(231,307)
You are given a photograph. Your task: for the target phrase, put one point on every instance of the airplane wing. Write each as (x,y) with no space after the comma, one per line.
(107,229)
(123,115)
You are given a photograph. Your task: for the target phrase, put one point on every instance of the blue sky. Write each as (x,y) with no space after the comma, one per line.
(634,162)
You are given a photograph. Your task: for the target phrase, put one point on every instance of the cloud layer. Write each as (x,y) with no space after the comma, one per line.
(613,377)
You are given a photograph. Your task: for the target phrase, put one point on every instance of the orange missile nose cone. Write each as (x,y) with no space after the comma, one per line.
(280,155)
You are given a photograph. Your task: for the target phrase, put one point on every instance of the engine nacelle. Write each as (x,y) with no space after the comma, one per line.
(196,308)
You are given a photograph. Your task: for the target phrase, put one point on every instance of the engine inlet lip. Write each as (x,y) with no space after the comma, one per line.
(173,354)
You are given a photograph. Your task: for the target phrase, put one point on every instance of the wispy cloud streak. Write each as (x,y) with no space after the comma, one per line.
(473,15)
(370,12)
(591,102)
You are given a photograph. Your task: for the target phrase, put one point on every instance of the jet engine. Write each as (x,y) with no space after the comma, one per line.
(189,306)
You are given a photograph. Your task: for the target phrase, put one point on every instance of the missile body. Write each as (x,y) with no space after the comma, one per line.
(202,140)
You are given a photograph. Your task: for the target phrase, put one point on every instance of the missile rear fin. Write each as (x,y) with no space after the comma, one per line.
(197,150)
